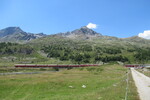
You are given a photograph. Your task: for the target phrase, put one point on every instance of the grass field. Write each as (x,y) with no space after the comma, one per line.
(106,82)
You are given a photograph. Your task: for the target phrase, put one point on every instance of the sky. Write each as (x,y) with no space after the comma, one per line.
(119,18)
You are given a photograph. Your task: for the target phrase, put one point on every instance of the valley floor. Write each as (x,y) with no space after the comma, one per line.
(107,82)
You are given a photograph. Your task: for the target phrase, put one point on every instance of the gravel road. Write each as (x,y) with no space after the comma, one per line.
(142,83)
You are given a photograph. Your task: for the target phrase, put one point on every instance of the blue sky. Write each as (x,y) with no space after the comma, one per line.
(120,18)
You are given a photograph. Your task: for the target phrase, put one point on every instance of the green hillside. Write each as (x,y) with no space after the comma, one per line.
(81,46)
(101,49)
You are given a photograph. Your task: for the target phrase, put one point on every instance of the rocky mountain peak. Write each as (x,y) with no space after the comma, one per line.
(13,34)
(10,31)
(81,33)
(14,29)
(84,31)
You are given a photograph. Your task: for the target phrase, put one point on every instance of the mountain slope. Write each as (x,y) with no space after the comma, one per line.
(87,35)
(16,34)
(10,30)
(82,45)
(82,33)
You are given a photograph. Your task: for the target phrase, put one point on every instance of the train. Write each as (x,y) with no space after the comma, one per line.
(135,65)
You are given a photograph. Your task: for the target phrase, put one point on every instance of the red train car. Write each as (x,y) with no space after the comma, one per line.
(133,65)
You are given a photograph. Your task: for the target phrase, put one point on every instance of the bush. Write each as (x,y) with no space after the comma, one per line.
(42,69)
(81,69)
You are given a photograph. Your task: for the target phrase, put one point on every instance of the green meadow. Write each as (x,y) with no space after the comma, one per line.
(107,82)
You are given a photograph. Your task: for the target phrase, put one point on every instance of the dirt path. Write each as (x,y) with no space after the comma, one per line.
(142,83)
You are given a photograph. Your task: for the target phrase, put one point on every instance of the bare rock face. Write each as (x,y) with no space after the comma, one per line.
(85,31)
(11,30)
(82,33)
(16,34)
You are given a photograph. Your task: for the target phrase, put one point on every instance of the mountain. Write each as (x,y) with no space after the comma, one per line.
(136,39)
(16,34)
(82,45)
(82,33)
(88,35)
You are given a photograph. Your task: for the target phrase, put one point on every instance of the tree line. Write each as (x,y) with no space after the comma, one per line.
(7,48)
(84,53)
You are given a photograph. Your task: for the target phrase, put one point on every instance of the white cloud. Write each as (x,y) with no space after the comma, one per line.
(145,35)
(91,26)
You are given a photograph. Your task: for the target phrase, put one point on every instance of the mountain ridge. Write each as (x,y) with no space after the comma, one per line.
(83,43)
(16,34)
(81,33)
